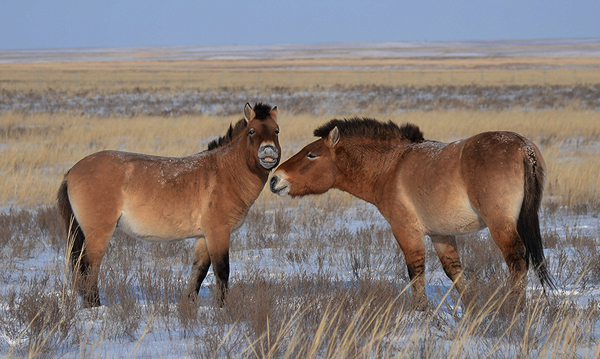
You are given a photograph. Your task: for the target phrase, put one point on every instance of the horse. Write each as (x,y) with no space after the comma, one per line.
(204,196)
(424,187)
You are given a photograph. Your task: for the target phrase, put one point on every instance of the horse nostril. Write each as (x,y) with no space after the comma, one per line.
(274,181)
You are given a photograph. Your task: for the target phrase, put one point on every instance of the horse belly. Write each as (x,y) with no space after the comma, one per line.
(157,229)
(454,219)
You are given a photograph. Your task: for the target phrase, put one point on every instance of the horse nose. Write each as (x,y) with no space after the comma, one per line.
(270,150)
(273,183)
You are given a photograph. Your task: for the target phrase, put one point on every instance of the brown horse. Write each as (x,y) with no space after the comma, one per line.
(204,196)
(424,187)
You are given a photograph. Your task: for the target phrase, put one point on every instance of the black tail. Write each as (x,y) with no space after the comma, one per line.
(76,239)
(528,224)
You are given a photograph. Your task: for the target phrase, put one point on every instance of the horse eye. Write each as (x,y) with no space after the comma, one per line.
(312,156)
(277,131)
(251,132)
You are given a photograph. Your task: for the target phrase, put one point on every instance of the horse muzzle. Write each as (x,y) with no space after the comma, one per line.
(279,186)
(268,156)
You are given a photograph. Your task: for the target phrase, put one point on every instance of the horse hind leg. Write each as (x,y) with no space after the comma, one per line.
(447,251)
(81,268)
(513,249)
(84,267)
(87,265)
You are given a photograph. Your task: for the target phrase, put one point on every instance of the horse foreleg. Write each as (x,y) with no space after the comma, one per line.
(413,247)
(447,251)
(218,249)
(199,268)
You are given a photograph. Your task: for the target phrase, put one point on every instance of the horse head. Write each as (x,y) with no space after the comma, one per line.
(262,136)
(310,171)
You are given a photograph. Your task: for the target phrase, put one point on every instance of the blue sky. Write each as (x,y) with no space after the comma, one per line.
(42,24)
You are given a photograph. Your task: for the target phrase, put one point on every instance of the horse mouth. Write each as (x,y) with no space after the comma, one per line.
(268,162)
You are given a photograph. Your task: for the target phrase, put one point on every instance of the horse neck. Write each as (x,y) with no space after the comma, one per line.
(365,167)
(250,181)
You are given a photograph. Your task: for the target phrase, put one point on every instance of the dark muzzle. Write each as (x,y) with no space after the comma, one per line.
(268,156)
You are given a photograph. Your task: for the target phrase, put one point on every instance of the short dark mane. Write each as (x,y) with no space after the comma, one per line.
(262,111)
(369,127)
(231,133)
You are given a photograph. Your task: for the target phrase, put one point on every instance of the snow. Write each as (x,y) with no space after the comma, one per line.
(164,337)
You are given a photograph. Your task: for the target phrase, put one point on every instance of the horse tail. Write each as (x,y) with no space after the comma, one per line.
(75,236)
(528,224)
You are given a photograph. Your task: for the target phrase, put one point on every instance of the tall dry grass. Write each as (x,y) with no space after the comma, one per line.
(38,149)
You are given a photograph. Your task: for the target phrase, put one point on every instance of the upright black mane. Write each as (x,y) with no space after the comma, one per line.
(262,111)
(369,127)
(231,133)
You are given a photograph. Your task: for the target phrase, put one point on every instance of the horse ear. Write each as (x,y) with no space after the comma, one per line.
(248,113)
(274,112)
(333,138)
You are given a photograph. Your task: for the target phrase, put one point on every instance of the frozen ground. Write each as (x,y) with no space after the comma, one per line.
(163,336)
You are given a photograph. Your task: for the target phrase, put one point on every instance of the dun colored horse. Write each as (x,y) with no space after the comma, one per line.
(204,196)
(424,187)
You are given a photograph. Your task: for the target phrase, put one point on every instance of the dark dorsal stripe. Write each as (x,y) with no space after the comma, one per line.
(369,127)
(262,111)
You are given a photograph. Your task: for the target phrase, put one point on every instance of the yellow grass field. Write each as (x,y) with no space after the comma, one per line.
(118,76)
(38,149)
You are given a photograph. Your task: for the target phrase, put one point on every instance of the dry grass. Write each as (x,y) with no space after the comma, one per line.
(38,149)
(114,79)
(325,306)
(147,74)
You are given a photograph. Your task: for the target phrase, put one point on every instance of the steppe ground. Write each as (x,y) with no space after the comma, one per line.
(316,277)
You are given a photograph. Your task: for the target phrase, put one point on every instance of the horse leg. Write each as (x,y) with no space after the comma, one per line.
(217,243)
(94,248)
(413,247)
(507,238)
(199,268)
(446,249)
